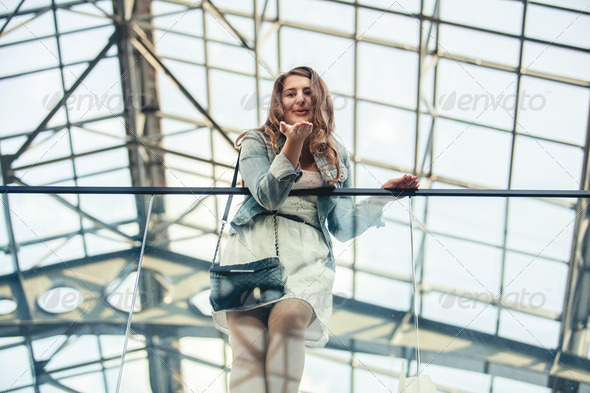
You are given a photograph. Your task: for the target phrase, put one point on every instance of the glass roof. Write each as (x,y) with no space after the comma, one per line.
(493,94)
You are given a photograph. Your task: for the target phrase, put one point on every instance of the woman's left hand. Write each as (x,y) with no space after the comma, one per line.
(406,182)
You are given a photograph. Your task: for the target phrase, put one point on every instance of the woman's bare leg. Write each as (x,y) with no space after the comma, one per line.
(248,337)
(285,359)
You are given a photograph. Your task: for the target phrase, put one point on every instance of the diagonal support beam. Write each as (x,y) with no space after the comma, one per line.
(142,44)
(67,94)
(11,16)
(90,217)
(213,10)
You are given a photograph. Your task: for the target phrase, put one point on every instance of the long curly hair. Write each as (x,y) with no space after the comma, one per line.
(322,139)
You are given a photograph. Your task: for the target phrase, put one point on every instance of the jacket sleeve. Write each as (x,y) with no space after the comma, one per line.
(347,220)
(269,182)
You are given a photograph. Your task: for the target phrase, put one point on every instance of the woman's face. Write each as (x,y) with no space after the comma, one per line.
(296,99)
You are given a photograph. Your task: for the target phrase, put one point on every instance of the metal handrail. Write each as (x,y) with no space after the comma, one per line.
(199,191)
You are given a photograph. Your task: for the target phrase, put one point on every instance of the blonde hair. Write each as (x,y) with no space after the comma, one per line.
(322,140)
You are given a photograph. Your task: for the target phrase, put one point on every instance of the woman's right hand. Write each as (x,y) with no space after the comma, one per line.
(297,132)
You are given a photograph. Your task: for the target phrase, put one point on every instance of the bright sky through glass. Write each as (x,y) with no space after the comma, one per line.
(490,130)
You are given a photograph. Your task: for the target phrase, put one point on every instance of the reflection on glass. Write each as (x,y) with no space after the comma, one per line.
(7,306)
(480,277)
(60,300)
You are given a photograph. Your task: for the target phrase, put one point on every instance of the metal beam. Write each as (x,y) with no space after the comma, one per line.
(143,44)
(82,213)
(12,14)
(392,192)
(67,94)
(209,7)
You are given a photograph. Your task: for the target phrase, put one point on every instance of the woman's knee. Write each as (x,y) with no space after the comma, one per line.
(291,315)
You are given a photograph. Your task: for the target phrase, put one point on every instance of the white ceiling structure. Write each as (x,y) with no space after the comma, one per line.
(104,99)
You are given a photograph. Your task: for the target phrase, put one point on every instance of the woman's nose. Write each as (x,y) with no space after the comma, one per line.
(300,98)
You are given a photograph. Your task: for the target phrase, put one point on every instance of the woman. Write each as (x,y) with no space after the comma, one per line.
(295,149)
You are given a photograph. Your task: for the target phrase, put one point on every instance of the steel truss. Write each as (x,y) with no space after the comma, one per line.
(564,370)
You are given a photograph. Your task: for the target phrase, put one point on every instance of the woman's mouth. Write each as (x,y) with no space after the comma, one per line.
(301,112)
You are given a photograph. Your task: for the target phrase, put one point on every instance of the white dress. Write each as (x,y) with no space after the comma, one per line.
(302,252)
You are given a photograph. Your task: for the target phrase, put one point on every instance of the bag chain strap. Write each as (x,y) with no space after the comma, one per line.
(226,214)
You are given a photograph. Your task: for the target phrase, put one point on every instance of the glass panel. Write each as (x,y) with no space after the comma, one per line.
(316,379)
(24,111)
(72,49)
(573,4)
(541,100)
(387,134)
(78,17)
(331,57)
(566,27)
(374,382)
(536,160)
(481,220)
(476,155)
(100,94)
(557,61)
(529,329)
(231,58)
(271,8)
(541,228)
(341,16)
(268,59)
(191,77)
(49,145)
(111,159)
(219,30)
(462,265)
(382,291)
(226,94)
(188,21)
(173,101)
(461,308)
(405,6)
(40,26)
(478,45)
(97,135)
(170,297)
(536,283)
(385,250)
(29,56)
(69,286)
(196,142)
(505,385)
(448,377)
(344,120)
(179,46)
(17,371)
(504,16)
(492,272)
(476,94)
(161,7)
(245,6)
(389,27)
(392,79)
(135,375)
(462,271)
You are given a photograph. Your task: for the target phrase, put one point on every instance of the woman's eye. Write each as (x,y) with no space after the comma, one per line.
(289,95)
(307,93)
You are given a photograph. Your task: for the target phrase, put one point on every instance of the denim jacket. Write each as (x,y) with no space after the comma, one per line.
(269,178)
